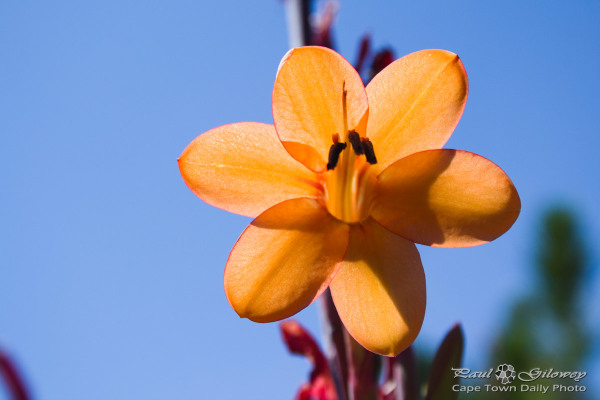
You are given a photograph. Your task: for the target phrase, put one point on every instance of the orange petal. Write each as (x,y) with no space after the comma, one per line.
(307,103)
(446,198)
(415,104)
(379,291)
(243,168)
(284,260)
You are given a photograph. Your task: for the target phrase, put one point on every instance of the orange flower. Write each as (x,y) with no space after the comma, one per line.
(327,217)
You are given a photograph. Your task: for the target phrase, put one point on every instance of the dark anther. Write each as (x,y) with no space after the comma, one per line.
(354,139)
(369,152)
(334,154)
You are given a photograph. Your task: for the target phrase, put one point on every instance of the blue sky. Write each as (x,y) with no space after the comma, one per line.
(111,269)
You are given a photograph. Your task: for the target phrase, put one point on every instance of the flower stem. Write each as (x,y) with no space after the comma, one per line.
(334,343)
(12,378)
(298,21)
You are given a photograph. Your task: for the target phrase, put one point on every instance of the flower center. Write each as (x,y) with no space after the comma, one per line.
(349,181)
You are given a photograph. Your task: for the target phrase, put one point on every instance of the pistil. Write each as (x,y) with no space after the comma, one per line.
(347,166)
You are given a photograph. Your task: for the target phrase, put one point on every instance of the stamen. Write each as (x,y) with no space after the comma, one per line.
(348,188)
(354,139)
(369,151)
(334,154)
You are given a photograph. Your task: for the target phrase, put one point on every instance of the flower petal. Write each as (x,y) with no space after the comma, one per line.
(446,198)
(284,260)
(307,102)
(415,104)
(379,291)
(243,168)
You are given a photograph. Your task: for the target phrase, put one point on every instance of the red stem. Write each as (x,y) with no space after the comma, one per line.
(12,378)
